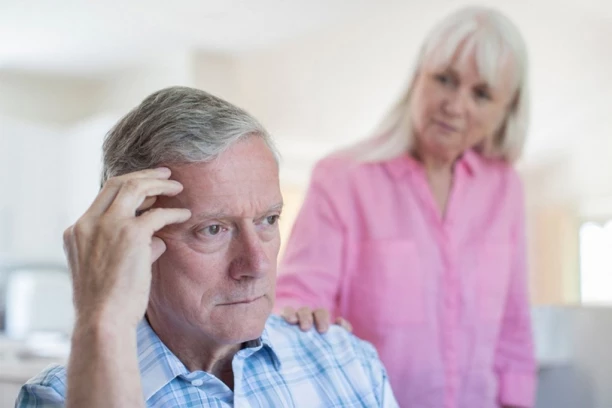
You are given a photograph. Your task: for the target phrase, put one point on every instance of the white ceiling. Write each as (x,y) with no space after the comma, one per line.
(86,37)
(81,36)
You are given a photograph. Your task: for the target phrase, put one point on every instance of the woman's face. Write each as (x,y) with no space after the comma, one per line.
(454,108)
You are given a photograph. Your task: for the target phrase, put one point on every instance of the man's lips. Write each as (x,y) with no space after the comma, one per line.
(242,301)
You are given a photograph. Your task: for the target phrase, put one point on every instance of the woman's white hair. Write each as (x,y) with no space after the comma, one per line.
(492,38)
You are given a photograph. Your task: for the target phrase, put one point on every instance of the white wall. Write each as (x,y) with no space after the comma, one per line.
(29,186)
(126,88)
(216,73)
(40,98)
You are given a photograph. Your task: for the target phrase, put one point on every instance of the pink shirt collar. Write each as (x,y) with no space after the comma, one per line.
(400,166)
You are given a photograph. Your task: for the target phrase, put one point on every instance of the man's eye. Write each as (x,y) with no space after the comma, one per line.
(272,219)
(212,230)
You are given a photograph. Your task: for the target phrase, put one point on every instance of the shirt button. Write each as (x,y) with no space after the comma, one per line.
(197,383)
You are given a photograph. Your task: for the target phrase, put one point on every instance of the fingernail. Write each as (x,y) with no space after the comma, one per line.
(163,169)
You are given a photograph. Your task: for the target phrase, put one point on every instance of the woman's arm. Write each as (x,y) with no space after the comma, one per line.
(515,361)
(311,270)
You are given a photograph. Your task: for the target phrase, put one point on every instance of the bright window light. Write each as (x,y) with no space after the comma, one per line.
(596,263)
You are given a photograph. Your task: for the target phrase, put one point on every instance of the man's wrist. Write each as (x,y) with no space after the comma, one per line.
(97,327)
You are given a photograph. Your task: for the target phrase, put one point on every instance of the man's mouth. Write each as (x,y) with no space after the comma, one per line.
(245,301)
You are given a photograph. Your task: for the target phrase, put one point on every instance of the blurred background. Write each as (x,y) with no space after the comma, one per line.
(319,74)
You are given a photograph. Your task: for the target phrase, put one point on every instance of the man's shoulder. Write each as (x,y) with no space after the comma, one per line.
(337,361)
(45,389)
(53,376)
(289,340)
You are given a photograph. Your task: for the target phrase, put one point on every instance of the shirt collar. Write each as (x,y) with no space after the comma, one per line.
(404,164)
(472,161)
(158,365)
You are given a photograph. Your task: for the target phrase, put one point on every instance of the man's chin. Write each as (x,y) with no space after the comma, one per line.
(238,326)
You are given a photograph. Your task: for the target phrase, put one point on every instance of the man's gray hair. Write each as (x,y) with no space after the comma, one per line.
(173,126)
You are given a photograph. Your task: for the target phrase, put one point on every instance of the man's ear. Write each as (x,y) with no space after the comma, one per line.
(158,247)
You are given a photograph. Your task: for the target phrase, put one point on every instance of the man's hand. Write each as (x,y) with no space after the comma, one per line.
(305,317)
(110,249)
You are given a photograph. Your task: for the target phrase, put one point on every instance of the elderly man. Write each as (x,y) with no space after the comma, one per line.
(185,233)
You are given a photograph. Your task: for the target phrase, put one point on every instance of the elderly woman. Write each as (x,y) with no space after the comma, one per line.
(417,238)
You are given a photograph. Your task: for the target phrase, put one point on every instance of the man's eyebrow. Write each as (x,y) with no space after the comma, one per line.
(223,214)
(276,207)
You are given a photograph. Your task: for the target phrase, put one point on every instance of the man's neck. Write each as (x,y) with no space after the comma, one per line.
(196,351)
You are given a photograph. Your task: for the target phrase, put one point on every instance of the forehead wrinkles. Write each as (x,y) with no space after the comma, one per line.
(244,195)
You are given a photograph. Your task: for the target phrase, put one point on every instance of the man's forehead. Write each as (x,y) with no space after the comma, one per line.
(239,160)
(206,179)
(211,190)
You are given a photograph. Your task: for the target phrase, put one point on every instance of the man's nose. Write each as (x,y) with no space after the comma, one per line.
(251,259)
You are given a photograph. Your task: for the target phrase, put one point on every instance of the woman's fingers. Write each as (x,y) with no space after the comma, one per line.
(321,319)
(341,321)
(288,313)
(305,318)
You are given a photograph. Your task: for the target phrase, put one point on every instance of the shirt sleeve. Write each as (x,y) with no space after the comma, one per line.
(46,390)
(515,358)
(311,270)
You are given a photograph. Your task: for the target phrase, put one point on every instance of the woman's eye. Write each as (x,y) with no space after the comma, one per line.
(444,79)
(482,94)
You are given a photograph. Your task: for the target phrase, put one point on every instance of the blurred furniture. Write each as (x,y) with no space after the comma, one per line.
(37,299)
(575,363)
(36,320)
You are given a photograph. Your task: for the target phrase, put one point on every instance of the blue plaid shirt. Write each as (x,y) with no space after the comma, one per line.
(283,368)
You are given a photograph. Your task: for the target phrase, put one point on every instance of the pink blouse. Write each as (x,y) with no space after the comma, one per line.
(444,300)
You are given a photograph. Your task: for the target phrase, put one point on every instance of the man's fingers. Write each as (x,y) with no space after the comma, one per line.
(110,189)
(157,218)
(305,318)
(321,319)
(289,314)
(146,204)
(158,247)
(134,192)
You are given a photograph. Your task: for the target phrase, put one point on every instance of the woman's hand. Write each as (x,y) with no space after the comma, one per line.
(305,317)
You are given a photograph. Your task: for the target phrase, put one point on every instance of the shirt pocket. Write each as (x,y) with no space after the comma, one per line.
(387,283)
(493,274)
